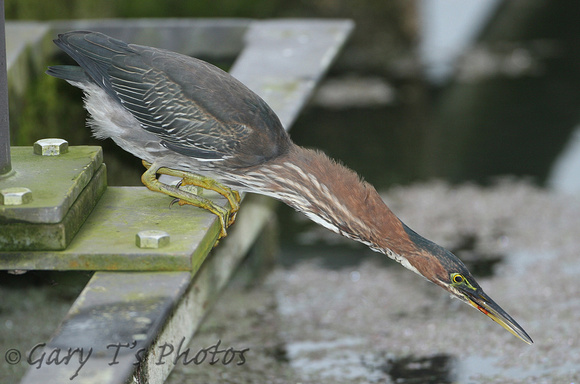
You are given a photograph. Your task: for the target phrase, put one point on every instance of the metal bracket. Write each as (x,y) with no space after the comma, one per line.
(63,190)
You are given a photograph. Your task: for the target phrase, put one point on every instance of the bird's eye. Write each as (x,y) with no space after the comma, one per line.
(457,278)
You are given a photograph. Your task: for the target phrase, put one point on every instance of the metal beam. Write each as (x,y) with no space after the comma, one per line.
(5,165)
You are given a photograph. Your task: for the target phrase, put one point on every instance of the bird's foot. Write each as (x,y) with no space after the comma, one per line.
(224,215)
(204,182)
(183,196)
(233,197)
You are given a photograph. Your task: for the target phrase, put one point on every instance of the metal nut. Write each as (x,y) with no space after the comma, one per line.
(152,239)
(50,147)
(15,196)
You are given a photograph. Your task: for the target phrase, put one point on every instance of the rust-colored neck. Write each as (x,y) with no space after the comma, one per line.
(331,195)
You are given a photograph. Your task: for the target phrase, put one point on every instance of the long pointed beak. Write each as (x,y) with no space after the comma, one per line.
(481,301)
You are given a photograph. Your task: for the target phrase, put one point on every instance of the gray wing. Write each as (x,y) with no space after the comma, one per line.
(182,115)
(195,108)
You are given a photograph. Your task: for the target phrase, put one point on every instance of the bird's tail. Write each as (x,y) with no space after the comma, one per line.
(69,73)
(94,52)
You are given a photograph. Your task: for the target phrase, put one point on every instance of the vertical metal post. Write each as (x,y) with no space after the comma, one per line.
(5,165)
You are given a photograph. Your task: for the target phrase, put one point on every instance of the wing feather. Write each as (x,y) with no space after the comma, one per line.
(193,107)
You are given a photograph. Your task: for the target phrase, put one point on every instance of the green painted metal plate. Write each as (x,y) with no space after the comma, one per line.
(106,241)
(16,235)
(64,190)
(55,181)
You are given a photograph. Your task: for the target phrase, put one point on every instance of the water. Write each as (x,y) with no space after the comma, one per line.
(511,107)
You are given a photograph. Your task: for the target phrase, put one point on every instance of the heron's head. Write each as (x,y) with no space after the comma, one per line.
(443,268)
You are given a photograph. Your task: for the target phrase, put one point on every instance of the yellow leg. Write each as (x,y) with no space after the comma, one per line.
(149,179)
(231,195)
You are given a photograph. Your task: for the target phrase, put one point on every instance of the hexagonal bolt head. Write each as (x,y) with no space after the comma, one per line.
(152,239)
(15,196)
(50,147)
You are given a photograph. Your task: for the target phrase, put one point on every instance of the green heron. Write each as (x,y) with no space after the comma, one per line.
(187,118)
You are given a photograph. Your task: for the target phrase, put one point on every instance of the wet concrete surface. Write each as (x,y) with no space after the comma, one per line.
(32,305)
(376,322)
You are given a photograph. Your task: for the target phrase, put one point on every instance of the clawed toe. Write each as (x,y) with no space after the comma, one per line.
(183,196)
